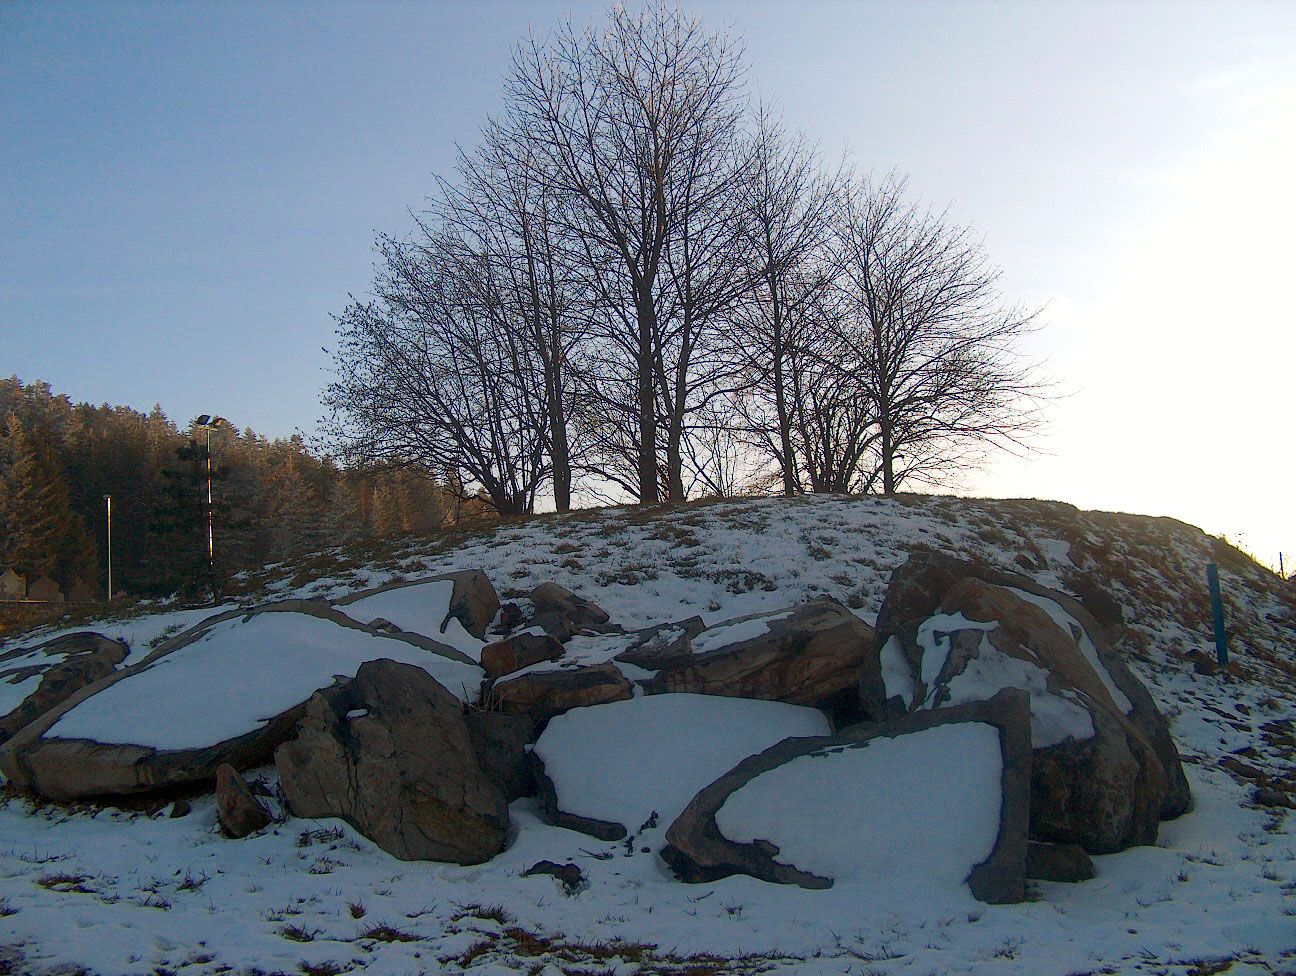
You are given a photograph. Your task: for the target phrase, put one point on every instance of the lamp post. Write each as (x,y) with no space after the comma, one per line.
(210,422)
(108,503)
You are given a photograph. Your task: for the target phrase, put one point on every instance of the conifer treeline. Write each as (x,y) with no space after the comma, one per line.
(271,498)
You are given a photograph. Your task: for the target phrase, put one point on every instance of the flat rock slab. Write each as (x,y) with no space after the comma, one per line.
(930,801)
(607,769)
(229,692)
(543,694)
(34,680)
(447,607)
(803,655)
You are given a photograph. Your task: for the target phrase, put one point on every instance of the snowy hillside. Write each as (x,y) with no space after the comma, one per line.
(139,891)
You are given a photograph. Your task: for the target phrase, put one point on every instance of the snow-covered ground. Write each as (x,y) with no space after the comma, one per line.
(133,892)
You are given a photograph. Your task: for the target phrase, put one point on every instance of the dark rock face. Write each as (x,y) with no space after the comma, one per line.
(517,652)
(389,753)
(499,742)
(1104,793)
(664,646)
(238,810)
(544,694)
(698,851)
(1057,862)
(65,666)
(802,655)
(473,601)
(66,769)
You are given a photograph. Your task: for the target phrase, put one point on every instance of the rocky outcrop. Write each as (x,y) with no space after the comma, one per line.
(237,809)
(1105,769)
(389,753)
(663,646)
(542,694)
(241,680)
(803,655)
(51,673)
(734,825)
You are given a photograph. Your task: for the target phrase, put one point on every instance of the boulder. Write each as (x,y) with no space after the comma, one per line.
(563,614)
(240,680)
(543,694)
(663,646)
(34,680)
(933,799)
(389,753)
(237,809)
(916,591)
(500,743)
(607,769)
(1057,862)
(803,655)
(519,651)
(427,606)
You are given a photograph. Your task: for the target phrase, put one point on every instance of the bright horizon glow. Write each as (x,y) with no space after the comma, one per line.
(189,192)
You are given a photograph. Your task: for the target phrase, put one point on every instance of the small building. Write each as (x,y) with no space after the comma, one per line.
(12,586)
(45,590)
(82,592)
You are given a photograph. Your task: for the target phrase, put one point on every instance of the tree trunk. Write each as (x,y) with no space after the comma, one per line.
(647,401)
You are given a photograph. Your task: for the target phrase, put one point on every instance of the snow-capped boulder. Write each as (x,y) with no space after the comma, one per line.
(663,646)
(803,655)
(608,769)
(389,753)
(1097,778)
(445,607)
(542,694)
(226,691)
(929,802)
(916,589)
(34,680)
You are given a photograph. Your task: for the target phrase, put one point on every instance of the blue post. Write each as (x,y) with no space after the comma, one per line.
(1217,609)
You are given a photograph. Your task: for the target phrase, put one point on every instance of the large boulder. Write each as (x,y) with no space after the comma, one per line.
(563,614)
(389,753)
(435,606)
(34,680)
(518,651)
(500,743)
(543,694)
(1105,770)
(804,655)
(606,770)
(239,812)
(930,801)
(227,691)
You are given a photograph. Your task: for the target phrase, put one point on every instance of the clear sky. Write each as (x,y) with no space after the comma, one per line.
(189,192)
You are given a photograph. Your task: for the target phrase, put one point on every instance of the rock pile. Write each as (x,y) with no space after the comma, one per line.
(984,733)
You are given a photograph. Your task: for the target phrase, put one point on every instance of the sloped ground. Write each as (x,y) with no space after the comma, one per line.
(126,892)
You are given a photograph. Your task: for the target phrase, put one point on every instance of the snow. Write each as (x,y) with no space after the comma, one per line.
(418,608)
(917,811)
(1071,626)
(236,677)
(896,675)
(625,760)
(14,692)
(736,632)
(1054,717)
(935,637)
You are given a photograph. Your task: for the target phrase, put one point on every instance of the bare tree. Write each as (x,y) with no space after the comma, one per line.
(638,124)
(428,378)
(929,338)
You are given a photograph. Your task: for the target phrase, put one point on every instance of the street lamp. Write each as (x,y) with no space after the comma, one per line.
(210,422)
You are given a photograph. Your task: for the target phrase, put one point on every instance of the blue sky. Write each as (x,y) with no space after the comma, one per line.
(188,192)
